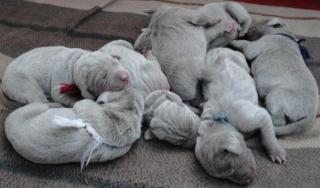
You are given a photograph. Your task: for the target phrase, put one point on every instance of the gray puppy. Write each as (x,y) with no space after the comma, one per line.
(283,81)
(44,73)
(170,119)
(90,131)
(220,148)
(235,21)
(180,37)
(145,72)
(223,153)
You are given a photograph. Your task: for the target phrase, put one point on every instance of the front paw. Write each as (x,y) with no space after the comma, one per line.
(55,105)
(245,26)
(69,103)
(237,44)
(233,27)
(278,155)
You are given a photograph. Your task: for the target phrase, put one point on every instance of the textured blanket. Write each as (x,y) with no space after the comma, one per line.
(25,25)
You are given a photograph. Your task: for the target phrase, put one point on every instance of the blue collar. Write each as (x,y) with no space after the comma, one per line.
(304,51)
(222,118)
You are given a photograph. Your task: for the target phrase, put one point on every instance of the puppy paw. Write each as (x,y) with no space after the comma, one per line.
(233,27)
(278,155)
(55,105)
(239,44)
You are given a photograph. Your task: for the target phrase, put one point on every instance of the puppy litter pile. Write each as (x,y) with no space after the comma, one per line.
(218,96)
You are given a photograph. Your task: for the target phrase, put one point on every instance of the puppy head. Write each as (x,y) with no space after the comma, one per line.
(122,113)
(105,73)
(155,99)
(265,27)
(223,153)
(174,123)
(152,78)
(224,27)
(222,33)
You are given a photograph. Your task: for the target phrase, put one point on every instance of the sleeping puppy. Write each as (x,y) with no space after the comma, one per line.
(223,153)
(90,131)
(233,16)
(232,107)
(179,39)
(169,119)
(283,81)
(46,72)
(145,72)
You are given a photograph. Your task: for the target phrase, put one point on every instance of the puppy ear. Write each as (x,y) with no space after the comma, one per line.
(148,135)
(173,97)
(233,146)
(204,127)
(149,12)
(276,23)
(103,98)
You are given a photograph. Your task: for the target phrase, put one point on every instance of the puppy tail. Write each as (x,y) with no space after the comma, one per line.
(293,128)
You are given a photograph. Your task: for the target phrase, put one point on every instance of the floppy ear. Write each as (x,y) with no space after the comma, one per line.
(148,135)
(143,42)
(150,11)
(233,146)
(276,23)
(103,98)
(204,127)
(173,97)
(81,70)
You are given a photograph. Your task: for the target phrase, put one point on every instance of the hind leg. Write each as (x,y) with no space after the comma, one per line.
(275,103)
(248,117)
(24,90)
(32,110)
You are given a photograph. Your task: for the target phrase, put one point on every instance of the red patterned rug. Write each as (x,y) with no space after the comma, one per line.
(305,4)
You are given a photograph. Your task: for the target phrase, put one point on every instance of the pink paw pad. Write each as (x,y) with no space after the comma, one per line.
(233,27)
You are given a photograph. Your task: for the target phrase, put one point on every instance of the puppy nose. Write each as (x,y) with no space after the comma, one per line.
(250,176)
(249,181)
(123,76)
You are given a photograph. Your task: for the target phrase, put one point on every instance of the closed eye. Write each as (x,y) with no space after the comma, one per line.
(100,102)
(116,57)
(278,25)
(104,77)
(208,25)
